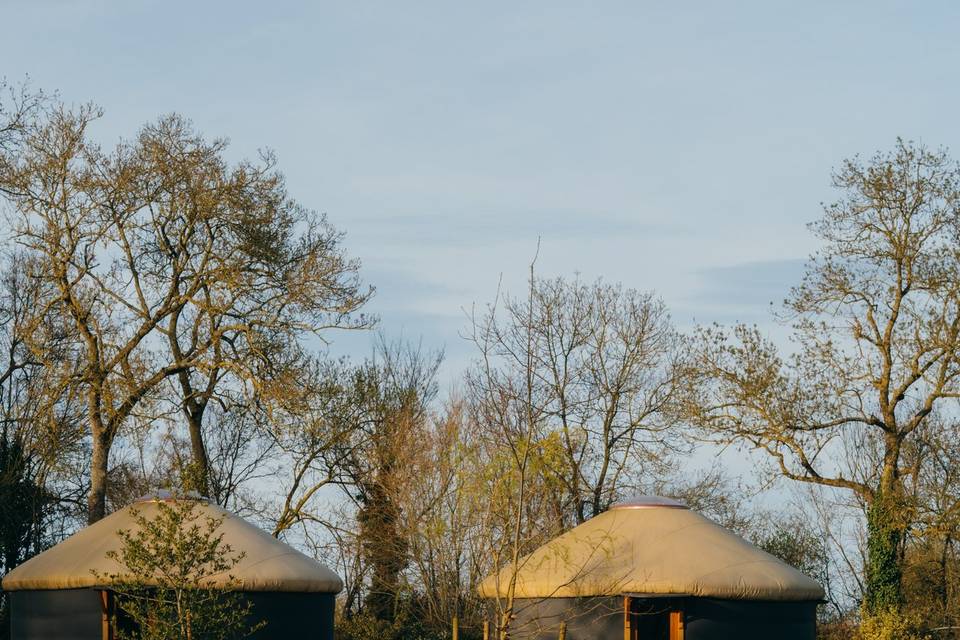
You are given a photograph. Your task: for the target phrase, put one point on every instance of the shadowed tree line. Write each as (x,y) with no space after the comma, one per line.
(164,311)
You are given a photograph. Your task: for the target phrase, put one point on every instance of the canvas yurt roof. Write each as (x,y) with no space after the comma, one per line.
(653,546)
(268,564)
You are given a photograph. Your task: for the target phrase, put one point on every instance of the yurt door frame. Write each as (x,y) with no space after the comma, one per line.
(672,613)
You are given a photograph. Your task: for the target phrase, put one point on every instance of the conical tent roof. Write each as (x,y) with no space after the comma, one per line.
(269,565)
(653,546)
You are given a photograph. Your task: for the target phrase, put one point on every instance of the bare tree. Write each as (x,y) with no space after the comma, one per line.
(877,329)
(511,404)
(601,362)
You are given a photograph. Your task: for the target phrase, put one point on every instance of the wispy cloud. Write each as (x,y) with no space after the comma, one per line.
(750,283)
(498,225)
(741,292)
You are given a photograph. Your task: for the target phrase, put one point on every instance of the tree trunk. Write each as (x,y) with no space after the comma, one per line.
(883,571)
(504,631)
(943,586)
(198,478)
(384,548)
(97,498)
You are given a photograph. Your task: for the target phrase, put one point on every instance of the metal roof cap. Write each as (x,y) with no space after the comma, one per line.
(649,502)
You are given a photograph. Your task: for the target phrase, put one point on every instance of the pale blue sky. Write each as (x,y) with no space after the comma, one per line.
(679,147)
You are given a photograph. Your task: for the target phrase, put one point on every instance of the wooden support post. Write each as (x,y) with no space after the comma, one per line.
(456,628)
(676,625)
(626,618)
(486,630)
(106,615)
(563,631)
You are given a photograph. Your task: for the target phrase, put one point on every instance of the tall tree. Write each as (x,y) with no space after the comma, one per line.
(361,429)
(170,265)
(876,327)
(396,387)
(272,273)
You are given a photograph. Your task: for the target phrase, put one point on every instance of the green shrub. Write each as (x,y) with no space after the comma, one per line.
(165,561)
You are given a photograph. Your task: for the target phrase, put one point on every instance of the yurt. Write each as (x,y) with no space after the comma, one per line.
(652,569)
(57,595)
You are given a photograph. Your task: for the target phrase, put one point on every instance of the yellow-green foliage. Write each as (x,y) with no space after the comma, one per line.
(890,624)
(544,458)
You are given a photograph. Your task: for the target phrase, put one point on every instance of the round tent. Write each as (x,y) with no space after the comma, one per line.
(652,569)
(57,594)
